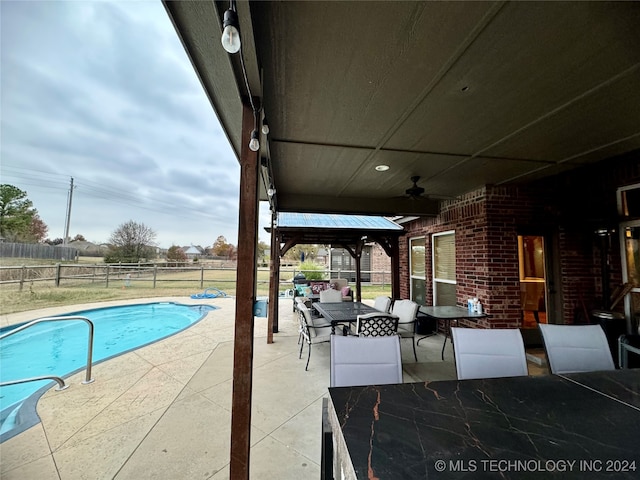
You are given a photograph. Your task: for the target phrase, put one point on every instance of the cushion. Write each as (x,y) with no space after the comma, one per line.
(301,289)
(346,291)
(317,287)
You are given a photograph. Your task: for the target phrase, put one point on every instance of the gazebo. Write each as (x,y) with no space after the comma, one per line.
(348,231)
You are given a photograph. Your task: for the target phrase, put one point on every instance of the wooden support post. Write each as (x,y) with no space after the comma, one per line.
(245,298)
(358,257)
(395,267)
(274,282)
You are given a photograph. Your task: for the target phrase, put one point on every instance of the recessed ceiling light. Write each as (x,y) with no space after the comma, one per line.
(382,168)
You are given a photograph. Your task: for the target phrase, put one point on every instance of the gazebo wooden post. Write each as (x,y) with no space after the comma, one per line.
(274,282)
(358,258)
(245,298)
(394,245)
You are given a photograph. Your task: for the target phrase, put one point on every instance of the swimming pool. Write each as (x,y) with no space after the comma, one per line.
(60,348)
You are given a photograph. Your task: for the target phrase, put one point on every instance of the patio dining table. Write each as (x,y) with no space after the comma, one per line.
(340,313)
(582,426)
(448,314)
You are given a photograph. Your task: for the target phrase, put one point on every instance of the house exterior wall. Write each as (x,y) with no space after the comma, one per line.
(566,209)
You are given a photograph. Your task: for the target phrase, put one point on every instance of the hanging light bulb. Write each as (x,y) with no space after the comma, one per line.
(265,126)
(271,191)
(230,33)
(254,144)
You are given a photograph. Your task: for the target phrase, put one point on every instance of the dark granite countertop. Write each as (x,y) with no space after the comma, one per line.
(522,427)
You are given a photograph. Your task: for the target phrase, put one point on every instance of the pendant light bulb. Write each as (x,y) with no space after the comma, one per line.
(265,126)
(254,144)
(230,33)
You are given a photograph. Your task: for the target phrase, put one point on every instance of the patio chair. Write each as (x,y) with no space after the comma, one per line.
(330,296)
(576,348)
(382,303)
(312,330)
(406,311)
(365,361)
(629,344)
(488,353)
(376,325)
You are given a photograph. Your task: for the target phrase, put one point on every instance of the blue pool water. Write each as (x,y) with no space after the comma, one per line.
(60,348)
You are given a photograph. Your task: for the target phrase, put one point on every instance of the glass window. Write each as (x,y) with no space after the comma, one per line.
(444,268)
(417,273)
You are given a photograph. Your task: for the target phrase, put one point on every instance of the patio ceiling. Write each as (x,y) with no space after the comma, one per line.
(462,94)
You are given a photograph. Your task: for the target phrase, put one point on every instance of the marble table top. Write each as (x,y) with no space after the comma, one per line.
(577,426)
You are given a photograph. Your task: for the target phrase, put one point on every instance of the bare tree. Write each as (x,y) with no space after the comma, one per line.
(131,242)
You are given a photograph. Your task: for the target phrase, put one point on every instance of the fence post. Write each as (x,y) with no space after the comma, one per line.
(201,276)
(107,277)
(155,275)
(58,273)
(22,270)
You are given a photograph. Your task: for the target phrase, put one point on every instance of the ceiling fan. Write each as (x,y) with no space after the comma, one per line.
(415,191)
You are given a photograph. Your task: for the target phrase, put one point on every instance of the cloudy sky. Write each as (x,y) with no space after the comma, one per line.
(104,93)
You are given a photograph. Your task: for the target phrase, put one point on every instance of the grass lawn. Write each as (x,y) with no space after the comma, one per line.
(36,295)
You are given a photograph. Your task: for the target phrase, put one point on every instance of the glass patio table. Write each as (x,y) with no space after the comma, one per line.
(340,313)
(448,314)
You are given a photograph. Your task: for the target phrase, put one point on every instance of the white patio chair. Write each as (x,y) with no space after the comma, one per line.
(330,296)
(365,360)
(406,311)
(488,353)
(377,324)
(312,330)
(382,303)
(576,348)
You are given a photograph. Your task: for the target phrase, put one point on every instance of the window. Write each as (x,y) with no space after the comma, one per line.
(417,273)
(629,210)
(444,268)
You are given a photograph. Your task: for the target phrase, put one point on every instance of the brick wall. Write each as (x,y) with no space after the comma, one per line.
(566,209)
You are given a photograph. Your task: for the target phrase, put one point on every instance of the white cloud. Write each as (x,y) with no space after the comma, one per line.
(104,92)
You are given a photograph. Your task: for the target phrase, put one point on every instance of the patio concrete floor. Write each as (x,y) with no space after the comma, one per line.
(164,411)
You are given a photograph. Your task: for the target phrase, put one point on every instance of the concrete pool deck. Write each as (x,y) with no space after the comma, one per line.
(164,411)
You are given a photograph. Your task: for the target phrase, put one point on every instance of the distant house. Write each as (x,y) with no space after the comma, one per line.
(88,249)
(194,251)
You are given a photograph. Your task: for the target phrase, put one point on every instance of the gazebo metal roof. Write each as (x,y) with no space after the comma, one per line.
(334,229)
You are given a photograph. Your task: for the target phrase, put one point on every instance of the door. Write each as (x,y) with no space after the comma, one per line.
(533,280)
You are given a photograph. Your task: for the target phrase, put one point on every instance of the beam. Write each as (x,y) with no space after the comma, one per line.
(245,298)
(274,282)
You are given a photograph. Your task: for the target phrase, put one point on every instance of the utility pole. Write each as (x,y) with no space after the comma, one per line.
(67,221)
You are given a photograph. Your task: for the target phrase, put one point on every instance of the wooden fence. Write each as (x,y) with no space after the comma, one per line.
(37,250)
(151,274)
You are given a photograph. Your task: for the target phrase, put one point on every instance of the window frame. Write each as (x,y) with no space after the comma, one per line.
(436,280)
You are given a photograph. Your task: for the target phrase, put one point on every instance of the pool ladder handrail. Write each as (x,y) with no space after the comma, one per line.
(59,380)
(88,378)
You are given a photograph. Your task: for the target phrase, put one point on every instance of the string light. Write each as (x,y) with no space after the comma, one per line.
(231,30)
(254,143)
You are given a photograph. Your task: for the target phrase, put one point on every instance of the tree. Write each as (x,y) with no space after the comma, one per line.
(175,255)
(38,230)
(131,242)
(302,253)
(221,248)
(79,238)
(262,247)
(16,213)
